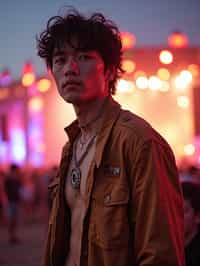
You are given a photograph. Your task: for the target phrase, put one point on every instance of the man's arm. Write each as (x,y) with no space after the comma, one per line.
(157,216)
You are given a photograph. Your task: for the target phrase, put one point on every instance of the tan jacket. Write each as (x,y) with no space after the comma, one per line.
(134,204)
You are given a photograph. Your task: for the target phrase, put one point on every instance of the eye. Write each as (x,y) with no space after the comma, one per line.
(84,57)
(59,60)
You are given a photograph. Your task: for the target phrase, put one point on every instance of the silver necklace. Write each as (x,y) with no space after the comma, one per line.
(75,175)
(82,143)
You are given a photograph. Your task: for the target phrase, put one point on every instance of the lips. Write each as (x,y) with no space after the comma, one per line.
(71,83)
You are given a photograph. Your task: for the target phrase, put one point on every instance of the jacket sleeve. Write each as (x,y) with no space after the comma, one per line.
(53,191)
(157,209)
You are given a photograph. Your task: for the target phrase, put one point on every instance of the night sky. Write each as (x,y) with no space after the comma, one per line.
(151,21)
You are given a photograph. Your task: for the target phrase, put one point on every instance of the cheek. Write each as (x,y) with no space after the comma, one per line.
(94,70)
(57,77)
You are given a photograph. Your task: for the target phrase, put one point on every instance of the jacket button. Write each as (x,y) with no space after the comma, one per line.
(107,198)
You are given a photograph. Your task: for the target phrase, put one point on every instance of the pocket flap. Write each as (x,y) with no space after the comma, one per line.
(117,197)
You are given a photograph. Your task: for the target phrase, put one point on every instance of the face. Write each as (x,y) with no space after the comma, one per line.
(80,76)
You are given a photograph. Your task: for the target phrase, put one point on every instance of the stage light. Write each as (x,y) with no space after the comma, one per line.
(194,69)
(5,78)
(189,149)
(165,86)
(166,57)
(139,73)
(154,83)
(128,40)
(35,104)
(163,73)
(186,76)
(43,85)
(183,101)
(141,82)
(28,75)
(125,86)
(128,66)
(178,40)
(28,79)
(183,80)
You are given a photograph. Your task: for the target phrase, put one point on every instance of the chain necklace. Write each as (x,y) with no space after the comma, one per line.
(75,175)
(82,143)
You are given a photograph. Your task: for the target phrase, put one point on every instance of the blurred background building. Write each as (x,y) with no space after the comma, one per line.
(161,84)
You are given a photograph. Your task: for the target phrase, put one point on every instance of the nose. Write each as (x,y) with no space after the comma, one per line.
(71,67)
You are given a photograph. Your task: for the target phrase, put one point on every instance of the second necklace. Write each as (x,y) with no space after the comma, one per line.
(75,175)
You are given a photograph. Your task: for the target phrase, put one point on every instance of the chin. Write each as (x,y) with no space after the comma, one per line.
(72,99)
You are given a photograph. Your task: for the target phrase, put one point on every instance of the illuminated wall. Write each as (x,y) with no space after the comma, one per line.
(33,115)
(168,108)
(13,145)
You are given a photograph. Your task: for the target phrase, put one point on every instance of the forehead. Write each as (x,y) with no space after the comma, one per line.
(66,47)
(73,43)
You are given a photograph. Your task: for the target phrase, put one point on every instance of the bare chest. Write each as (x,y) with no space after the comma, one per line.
(72,195)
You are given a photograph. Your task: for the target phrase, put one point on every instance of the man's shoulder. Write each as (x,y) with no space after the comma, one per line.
(138,128)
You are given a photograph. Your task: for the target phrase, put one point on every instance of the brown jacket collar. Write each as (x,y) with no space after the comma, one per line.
(110,114)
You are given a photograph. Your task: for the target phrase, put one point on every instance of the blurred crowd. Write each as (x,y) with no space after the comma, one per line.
(24,197)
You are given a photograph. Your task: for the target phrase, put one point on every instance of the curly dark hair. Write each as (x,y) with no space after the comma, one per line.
(92,33)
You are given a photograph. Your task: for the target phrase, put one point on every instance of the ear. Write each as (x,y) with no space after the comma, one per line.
(109,74)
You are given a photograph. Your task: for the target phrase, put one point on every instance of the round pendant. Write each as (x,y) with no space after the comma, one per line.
(75,178)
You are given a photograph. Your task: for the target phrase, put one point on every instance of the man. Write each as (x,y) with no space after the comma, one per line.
(13,185)
(116,197)
(191,193)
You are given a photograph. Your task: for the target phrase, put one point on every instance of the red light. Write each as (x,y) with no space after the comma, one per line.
(128,40)
(178,40)
(28,75)
(28,68)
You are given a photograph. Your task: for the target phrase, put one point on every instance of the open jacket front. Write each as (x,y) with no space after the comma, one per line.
(134,204)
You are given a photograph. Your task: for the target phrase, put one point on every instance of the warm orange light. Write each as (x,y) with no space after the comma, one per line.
(165,86)
(178,40)
(125,86)
(139,73)
(43,85)
(183,80)
(186,75)
(189,149)
(166,57)
(183,101)
(35,104)
(194,70)
(141,82)
(163,73)
(28,79)
(128,40)
(154,83)
(128,66)
(4,92)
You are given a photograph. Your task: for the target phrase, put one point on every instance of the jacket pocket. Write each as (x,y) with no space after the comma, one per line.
(109,217)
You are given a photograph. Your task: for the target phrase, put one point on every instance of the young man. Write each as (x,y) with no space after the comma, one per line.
(191,193)
(116,197)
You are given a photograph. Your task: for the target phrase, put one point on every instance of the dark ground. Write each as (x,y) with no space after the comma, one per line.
(26,253)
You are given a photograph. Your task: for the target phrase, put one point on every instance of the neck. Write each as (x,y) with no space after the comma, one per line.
(89,116)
